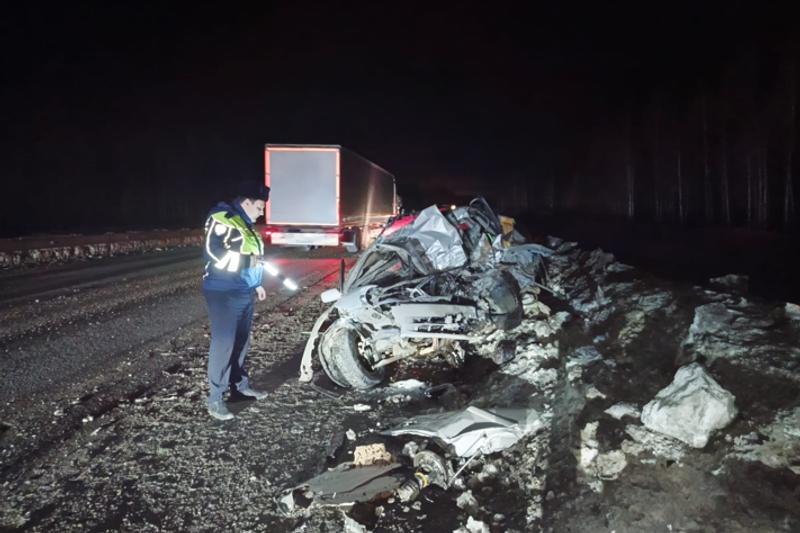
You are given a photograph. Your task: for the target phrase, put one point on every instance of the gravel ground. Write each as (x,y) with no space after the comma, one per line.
(137,452)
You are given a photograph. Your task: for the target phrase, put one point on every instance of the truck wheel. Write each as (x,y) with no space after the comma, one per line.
(343,361)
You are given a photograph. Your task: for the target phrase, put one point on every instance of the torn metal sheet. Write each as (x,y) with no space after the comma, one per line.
(527,261)
(473,429)
(440,239)
(344,485)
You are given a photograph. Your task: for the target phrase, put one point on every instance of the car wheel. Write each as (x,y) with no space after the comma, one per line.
(342,357)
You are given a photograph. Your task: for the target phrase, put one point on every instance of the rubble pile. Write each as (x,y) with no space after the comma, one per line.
(628,403)
(758,335)
(701,380)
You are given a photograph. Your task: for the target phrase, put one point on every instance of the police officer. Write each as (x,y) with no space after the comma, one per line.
(231,282)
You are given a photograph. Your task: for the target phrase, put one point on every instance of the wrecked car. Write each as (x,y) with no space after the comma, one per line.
(432,284)
(377,474)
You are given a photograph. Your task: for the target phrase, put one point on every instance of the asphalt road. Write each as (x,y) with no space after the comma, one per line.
(61,325)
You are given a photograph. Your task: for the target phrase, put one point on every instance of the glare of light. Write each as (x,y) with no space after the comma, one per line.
(270,268)
(368,212)
(452,207)
(289,284)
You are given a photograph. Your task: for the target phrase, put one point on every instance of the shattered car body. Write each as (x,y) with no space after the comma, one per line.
(431,285)
(473,430)
(462,435)
(349,483)
(343,485)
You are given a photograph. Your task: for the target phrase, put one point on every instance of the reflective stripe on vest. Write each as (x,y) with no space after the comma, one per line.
(229,261)
(252,243)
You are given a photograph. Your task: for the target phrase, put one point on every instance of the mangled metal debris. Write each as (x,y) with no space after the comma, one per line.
(374,475)
(431,285)
(431,469)
(344,485)
(474,430)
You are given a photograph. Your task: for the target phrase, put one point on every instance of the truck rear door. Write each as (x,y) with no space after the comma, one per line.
(304,185)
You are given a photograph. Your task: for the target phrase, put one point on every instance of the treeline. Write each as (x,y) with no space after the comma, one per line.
(721,149)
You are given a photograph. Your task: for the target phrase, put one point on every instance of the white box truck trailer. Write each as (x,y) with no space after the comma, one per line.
(325,195)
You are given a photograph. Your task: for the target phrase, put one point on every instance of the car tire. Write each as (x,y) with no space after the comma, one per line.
(342,361)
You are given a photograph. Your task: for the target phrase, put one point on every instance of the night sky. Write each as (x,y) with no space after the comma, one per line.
(139,116)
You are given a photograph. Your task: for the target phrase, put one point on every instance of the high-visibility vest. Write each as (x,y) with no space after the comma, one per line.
(238,239)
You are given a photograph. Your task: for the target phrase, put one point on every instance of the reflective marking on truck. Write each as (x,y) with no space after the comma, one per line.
(313,239)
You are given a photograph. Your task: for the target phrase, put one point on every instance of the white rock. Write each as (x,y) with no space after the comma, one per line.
(792,311)
(559,319)
(476,526)
(655,443)
(351,526)
(609,465)
(592,393)
(691,408)
(351,435)
(525,364)
(544,378)
(542,329)
(489,471)
(410,448)
(634,325)
(535,308)
(597,466)
(589,444)
(780,449)
(654,301)
(618,410)
(713,318)
(467,501)
(361,407)
(583,356)
(618,267)
(715,333)
(408,385)
(731,281)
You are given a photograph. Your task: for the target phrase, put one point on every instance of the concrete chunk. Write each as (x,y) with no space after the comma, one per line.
(691,408)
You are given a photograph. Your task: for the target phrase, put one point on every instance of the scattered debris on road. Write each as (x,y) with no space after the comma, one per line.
(607,365)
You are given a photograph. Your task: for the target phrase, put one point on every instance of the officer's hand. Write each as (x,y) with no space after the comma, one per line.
(262,294)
